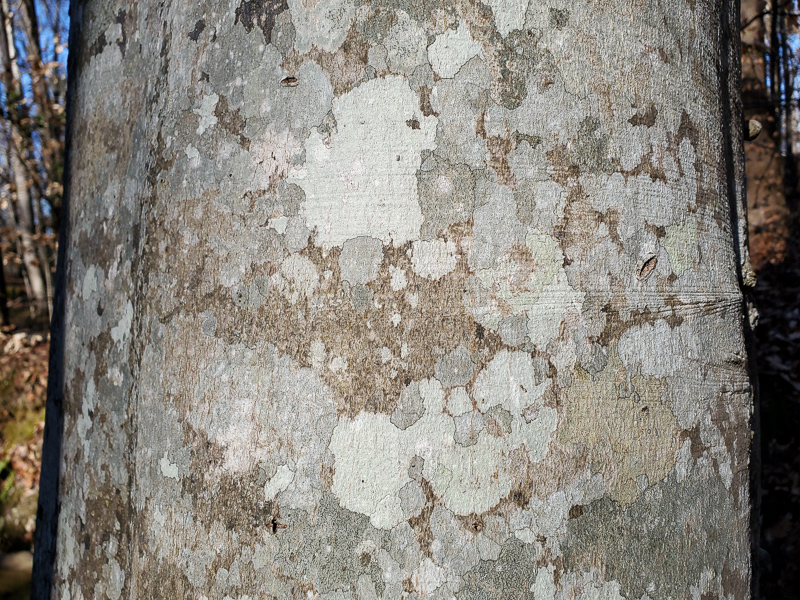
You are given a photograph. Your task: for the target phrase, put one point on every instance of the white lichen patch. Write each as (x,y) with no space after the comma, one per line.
(278,224)
(262,409)
(545,316)
(474,479)
(412,298)
(544,587)
(89,283)
(168,469)
(508,14)
(452,49)
(399,280)
(317,354)
(509,381)
(279,482)
(122,330)
(428,578)
(681,245)
(193,154)
(84,421)
(114,579)
(589,585)
(373,456)
(298,278)
(206,113)
(338,364)
(385,354)
(433,259)
(322,24)
(459,402)
(272,154)
(365,183)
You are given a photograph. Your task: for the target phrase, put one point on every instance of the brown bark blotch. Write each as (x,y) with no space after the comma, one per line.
(261,14)
(231,121)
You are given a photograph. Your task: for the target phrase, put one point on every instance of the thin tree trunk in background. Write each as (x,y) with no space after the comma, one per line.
(28,22)
(19,173)
(25,229)
(3,292)
(42,249)
(788,111)
(44,259)
(769,174)
(432,300)
(774,61)
(754,59)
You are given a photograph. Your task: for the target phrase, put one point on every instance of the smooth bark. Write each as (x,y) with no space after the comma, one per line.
(400,300)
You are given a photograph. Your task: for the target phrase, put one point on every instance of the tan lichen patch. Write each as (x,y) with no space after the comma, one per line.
(624,438)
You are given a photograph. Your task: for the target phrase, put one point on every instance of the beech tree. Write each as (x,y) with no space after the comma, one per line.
(400,299)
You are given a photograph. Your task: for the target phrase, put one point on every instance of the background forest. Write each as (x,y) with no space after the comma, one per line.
(33,54)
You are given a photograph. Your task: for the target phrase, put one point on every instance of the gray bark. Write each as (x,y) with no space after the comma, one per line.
(400,300)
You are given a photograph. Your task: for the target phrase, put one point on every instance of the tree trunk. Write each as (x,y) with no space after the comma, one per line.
(48,130)
(6,319)
(400,300)
(19,173)
(25,227)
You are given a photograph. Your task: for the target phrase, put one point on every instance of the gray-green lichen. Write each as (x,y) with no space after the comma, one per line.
(401,299)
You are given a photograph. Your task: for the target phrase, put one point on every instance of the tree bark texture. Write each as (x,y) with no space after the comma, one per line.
(400,299)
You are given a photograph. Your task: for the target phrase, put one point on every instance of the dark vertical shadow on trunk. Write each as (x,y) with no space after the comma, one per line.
(48,508)
(730,76)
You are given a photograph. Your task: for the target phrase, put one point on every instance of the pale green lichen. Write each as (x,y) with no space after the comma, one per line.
(681,245)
